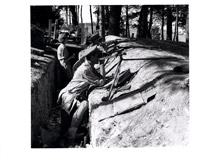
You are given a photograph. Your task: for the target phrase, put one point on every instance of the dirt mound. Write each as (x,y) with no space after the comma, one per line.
(154,109)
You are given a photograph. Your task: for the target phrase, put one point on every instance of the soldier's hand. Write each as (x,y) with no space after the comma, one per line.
(101,82)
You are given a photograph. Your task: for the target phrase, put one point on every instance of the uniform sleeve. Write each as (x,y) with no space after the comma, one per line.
(60,53)
(91,77)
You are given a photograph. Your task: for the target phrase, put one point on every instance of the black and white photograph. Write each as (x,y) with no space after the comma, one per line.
(109,76)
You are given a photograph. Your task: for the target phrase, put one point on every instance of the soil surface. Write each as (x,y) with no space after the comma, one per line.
(154,109)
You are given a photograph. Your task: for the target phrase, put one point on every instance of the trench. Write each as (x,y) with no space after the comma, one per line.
(46,82)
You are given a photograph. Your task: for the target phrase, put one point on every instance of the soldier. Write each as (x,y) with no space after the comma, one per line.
(63,57)
(73,97)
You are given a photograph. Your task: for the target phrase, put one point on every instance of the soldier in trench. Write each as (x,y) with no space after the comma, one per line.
(73,97)
(93,40)
(64,59)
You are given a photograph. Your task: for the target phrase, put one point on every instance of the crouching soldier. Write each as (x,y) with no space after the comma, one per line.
(73,98)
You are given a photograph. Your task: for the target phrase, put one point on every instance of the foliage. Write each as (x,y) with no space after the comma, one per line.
(133,15)
(183,12)
(41,14)
(155,32)
(98,15)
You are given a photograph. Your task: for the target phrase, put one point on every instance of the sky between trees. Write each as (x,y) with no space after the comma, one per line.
(85,14)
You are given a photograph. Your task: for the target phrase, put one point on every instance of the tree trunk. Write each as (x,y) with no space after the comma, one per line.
(175,37)
(77,10)
(142,26)
(162,35)
(102,25)
(91,18)
(107,16)
(76,21)
(102,31)
(81,14)
(127,23)
(97,24)
(122,28)
(187,28)
(70,20)
(169,23)
(177,33)
(114,24)
(73,9)
(66,14)
(150,23)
